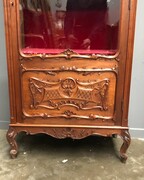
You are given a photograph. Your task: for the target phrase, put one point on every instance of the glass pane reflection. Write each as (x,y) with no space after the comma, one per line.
(86,26)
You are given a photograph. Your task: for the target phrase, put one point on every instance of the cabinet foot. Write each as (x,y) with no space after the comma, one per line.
(126,142)
(11,134)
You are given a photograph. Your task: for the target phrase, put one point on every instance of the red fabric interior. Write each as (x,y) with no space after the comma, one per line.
(37,40)
(56,51)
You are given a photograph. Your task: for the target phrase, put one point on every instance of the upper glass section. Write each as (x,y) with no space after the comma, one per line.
(85,26)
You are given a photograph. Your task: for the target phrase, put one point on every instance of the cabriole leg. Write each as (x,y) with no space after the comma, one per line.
(11,134)
(126,142)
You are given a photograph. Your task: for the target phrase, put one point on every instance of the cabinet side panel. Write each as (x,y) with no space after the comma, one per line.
(133,7)
(9,60)
(12,57)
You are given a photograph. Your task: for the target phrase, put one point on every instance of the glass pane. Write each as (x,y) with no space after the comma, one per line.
(85,26)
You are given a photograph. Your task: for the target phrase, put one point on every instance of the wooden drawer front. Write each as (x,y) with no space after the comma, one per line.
(68,94)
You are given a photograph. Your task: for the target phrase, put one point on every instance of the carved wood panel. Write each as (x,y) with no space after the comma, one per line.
(69,95)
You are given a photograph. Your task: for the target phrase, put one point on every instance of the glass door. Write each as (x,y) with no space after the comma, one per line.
(85,26)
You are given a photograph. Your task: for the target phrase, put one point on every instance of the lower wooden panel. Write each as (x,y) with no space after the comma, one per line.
(69,95)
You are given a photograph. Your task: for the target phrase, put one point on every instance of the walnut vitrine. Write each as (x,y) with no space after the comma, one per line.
(69,66)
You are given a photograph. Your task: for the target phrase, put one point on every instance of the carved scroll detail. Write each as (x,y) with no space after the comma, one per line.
(68,54)
(11,134)
(61,133)
(69,92)
(85,71)
(68,115)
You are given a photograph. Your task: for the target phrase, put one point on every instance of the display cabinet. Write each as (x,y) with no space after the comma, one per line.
(69,66)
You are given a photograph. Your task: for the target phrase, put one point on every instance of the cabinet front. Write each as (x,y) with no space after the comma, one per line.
(71,95)
(72,57)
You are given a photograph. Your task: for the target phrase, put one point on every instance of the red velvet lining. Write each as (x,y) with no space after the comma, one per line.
(56,51)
